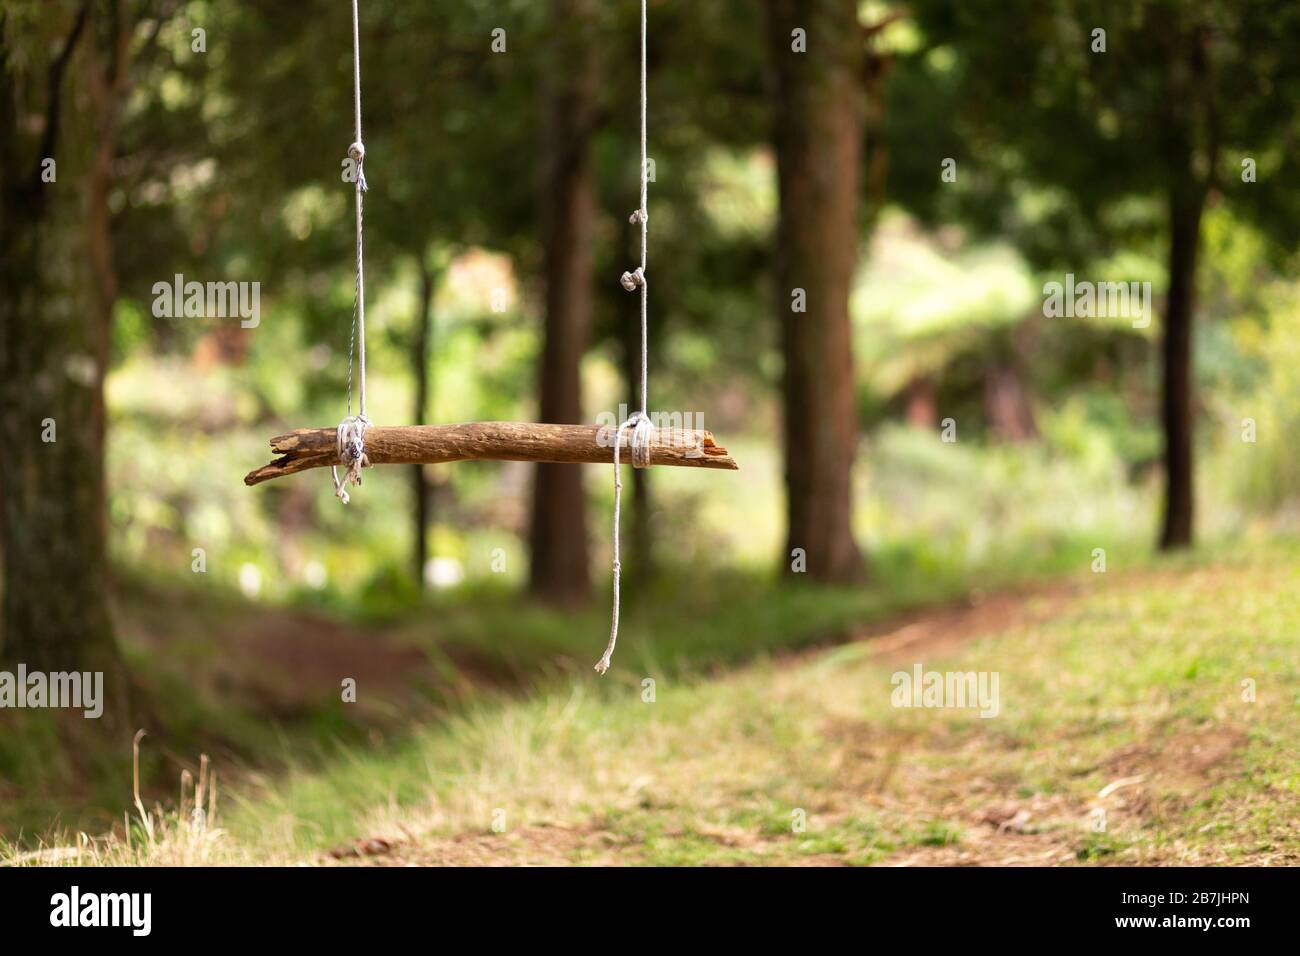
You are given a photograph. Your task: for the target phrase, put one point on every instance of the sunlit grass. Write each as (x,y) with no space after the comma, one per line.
(1130,686)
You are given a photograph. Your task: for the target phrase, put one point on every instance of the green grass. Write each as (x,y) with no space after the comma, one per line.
(1139,677)
(199,653)
(1130,687)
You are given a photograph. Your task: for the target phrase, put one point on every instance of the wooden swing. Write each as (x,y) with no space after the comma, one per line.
(306,448)
(356,443)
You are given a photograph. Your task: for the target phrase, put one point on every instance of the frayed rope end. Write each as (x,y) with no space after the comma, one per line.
(352,454)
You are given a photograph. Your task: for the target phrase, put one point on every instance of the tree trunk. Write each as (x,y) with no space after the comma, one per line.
(559,565)
(921,403)
(53,323)
(818,136)
(1176,353)
(1006,403)
(419,482)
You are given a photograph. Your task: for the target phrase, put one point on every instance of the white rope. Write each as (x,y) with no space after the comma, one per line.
(351,444)
(639,421)
(352,430)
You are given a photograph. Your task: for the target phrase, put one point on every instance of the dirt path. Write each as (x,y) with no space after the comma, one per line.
(940,631)
(1002,836)
(1006,795)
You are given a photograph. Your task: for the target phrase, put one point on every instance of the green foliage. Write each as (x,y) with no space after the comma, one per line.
(1266,472)
(1099,128)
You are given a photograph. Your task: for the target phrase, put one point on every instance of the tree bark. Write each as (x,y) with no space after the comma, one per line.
(1176,417)
(419,481)
(818,133)
(558,539)
(52,360)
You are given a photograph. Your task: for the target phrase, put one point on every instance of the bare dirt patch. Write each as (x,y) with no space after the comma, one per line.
(535,845)
(937,632)
(1186,761)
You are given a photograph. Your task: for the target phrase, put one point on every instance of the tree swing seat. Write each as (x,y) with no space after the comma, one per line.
(357,444)
(307,448)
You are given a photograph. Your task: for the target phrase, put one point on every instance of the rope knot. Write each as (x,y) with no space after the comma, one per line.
(357,151)
(351,445)
(633,280)
(639,215)
(643,433)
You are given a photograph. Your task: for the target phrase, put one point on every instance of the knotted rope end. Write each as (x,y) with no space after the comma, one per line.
(633,280)
(351,444)
(357,151)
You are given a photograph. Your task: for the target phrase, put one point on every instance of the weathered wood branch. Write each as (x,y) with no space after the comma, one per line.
(491,441)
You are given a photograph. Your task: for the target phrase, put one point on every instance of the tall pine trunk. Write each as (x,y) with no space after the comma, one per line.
(559,565)
(54,302)
(1176,416)
(423,387)
(818,132)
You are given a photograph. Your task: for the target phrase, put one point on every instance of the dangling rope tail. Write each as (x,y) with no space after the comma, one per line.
(352,430)
(638,421)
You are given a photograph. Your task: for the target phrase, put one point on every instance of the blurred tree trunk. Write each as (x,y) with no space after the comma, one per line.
(420,490)
(56,291)
(1176,353)
(818,134)
(559,560)
(921,403)
(1006,402)
(1191,138)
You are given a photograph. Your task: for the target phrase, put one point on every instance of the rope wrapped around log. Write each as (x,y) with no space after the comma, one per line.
(307,448)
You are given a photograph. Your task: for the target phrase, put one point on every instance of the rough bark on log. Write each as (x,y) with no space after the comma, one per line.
(491,441)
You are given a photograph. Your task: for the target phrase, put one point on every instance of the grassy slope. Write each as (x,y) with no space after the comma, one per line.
(257,687)
(1132,681)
